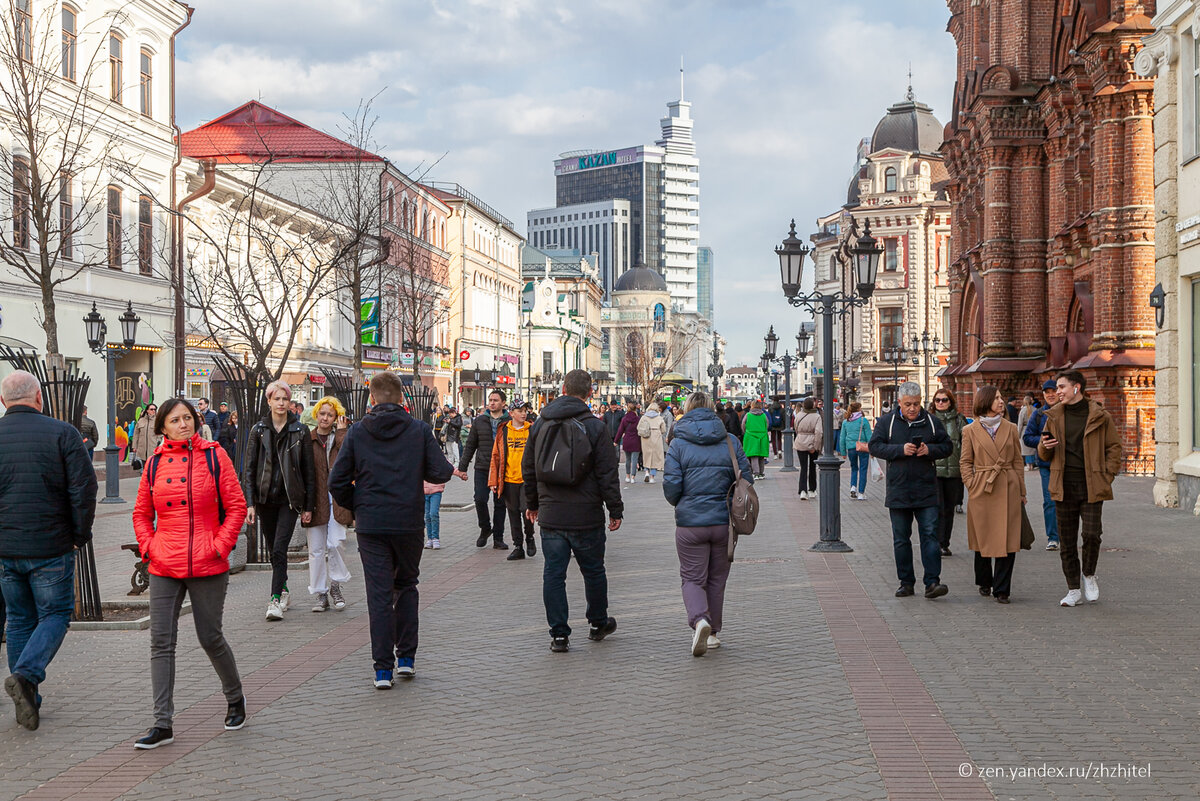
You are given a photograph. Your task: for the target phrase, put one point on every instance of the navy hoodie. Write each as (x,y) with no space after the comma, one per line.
(699,472)
(380,472)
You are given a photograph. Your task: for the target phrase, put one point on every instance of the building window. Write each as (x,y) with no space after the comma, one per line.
(891,254)
(115,67)
(23,32)
(66,217)
(547,364)
(660,318)
(145,235)
(660,350)
(891,328)
(68,44)
(391,205)
(147,84)
(21,202)
(633,345)
(1195,116)
(945,326)
(833,273)
(889,180)
(114,227)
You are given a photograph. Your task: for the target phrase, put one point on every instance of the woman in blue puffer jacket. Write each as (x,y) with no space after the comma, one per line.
(696,481)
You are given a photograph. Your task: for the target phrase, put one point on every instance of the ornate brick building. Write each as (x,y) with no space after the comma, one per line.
(1050,151)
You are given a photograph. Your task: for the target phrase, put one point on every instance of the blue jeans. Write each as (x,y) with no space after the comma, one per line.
(482,493)
(631,462)
(1048,513)
(588,547)
(433,520)
(40,596)
(859,461)
(931,547)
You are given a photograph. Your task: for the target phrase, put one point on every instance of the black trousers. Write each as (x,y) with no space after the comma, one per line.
(514,502)
(776,441)
(1071,511)
(808,470)
(482,493)
(277,520)
(950,495)
(391,565)
(999,577)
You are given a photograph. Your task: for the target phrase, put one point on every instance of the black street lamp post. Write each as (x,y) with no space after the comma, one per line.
(895,356)
(97,331)
(925,347)
(715,370)
(791,266)
(788,362)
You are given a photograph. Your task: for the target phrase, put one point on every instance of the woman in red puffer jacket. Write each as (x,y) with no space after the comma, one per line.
(186,486)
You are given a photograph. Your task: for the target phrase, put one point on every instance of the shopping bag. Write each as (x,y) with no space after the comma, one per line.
(876,469)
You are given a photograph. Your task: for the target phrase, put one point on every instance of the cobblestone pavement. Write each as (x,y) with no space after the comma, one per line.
(827,687)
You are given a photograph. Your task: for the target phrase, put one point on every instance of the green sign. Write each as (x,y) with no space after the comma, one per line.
(368,312)
(598,160)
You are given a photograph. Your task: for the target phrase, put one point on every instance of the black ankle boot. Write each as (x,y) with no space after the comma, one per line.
(235,718)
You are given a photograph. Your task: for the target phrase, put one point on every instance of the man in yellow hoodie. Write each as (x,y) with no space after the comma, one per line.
(504,478)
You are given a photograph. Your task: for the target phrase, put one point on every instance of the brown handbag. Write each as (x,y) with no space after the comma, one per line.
(1026,531)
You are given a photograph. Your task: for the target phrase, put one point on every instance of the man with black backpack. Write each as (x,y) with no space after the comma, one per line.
(570,473)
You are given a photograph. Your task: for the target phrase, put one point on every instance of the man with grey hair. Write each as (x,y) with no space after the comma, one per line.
(47,505)
(911,440)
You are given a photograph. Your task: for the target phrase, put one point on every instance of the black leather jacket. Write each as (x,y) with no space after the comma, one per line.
(299,476)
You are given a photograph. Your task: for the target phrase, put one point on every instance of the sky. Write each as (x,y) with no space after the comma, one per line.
(487,93)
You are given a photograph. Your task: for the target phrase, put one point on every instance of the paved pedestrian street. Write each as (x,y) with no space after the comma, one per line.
(826,686)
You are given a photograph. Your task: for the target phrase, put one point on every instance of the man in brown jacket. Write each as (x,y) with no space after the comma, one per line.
(1081,444)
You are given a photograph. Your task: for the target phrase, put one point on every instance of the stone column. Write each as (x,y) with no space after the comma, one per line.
(1029,282)
(997,252)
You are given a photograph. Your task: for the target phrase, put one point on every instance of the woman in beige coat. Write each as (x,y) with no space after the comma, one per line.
(652,430)
(144,440)
(991,466)
(810,436)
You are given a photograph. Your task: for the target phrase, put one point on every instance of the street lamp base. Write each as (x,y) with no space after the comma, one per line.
(789,469)
(112,500)
(831,546)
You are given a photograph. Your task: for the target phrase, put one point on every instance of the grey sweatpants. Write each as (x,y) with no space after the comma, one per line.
(208,606)
(703,569)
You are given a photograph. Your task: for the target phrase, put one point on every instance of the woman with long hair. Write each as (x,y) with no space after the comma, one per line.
(754,437)
(950,484)
(852,443)
(810,437)
(631,444)
(144,439)
(187,517)
(327,527)
(652,431)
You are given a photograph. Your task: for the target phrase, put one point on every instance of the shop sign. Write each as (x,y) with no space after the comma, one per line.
(508,358)
(313,378)
(463,355)
(445,364)
(383,355)
(406,359)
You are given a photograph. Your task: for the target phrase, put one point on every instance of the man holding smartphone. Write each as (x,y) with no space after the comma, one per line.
(911,440)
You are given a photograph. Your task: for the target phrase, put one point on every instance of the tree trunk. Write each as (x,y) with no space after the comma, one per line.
(49,315)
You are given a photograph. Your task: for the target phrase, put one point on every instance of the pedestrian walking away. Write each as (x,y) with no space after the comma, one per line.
(696,482)
(47,505)
(911,440)
(90,434)
(853,444)
(1081,444)
(452,430)
(652,433)
(380,476)
(810,436)
(433,515)
(992,470)
(280,485)
(949,474)
(1028,454)
(629,441)
(755,440)
(568,504)
(776,415)
(480,442)
(187,517)
(326,530)
(1031,436)
(506,480)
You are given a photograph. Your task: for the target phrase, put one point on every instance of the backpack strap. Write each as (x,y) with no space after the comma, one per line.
(214,468)
(737,471)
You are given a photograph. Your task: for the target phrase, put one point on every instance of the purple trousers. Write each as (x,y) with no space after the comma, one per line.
(703,568)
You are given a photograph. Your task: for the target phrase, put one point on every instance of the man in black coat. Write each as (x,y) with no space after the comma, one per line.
(479,445)
(89,432)
(47,506)
(379,476)
(571,516)
(911,440)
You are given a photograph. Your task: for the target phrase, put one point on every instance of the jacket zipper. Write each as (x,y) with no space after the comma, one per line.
(191,514)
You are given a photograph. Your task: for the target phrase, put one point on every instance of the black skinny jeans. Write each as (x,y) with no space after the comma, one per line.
(808,470)
(277,520)
(950,495)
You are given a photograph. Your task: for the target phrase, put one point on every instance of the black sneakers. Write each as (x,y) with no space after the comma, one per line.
(154,738)
(530,546)
(24,695)
(936,590)
(560,645)
(904,591)
(484,536)
(500,545)
(235,718)
(517,553)
(606,628)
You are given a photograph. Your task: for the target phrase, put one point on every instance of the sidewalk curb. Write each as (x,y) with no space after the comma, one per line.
(139,624)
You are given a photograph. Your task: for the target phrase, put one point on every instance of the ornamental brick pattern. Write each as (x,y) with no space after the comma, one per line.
(1051,157)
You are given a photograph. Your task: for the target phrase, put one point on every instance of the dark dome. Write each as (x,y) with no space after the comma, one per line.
(852,193)
(909,126)
(640,278)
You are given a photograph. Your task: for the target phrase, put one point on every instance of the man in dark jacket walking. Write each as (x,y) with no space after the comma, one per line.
(89,432)
(379,476)
(47,506)
(911,440)
(571,516)
(1031,436)
(479,445)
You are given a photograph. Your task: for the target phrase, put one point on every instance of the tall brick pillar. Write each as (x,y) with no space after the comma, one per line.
(1029,281)
(997,267)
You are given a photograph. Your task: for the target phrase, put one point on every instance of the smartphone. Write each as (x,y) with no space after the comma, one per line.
(918,441)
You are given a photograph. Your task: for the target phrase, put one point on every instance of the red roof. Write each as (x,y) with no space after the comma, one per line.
(253,133)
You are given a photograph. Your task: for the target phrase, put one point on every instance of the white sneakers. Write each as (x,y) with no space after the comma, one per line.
(274,611)
(1091,590)
(649,479)
(437,545)
(428,543)
(853,494)
(285,600)
(1073,598)
(713,642)
(804,496)
(700,637)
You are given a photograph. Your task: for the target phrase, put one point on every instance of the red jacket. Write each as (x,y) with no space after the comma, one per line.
(187,540)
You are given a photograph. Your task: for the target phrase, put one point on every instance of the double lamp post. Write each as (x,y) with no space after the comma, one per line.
(788,362)
(97,331)
(791,254)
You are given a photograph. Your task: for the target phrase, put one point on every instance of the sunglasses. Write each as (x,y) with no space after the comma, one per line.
(941,400)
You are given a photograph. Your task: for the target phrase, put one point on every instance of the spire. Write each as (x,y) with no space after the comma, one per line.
(909,94)
(681,78)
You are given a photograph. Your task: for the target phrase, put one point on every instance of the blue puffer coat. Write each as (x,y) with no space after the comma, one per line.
(699,472)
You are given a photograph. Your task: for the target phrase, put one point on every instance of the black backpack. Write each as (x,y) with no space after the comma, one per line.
(214,467)
(563,451)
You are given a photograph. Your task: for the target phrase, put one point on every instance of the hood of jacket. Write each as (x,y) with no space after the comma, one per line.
(756,411)
(651,414)
(564,406)
(194,442)
(700,426)
(387,421)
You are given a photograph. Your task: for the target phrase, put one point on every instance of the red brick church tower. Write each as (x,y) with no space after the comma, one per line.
(1051,156)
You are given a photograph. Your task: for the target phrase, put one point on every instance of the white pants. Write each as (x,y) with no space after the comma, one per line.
(454,450)
(325,559)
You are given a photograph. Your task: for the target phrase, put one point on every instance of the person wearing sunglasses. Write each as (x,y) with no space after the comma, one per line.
(949,476)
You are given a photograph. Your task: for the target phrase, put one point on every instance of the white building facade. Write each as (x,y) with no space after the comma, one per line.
(599,229)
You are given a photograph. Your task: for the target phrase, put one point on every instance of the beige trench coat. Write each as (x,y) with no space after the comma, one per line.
(992,472)
(653,432)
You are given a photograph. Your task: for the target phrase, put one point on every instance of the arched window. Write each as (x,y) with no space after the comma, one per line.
(114,227)
(833,274)
(69,24)
(633,345)
(889,180)
(23,32)
(115,67)
(21,202)
(391,205)
(660,318)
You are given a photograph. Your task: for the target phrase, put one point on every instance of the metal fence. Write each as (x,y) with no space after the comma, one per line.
(343,387)
(1137,465)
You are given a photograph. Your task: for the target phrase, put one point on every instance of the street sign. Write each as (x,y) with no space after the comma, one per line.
(463,355)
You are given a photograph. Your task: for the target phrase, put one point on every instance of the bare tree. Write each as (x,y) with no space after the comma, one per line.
(649,352)
(417,279)
(64,148)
